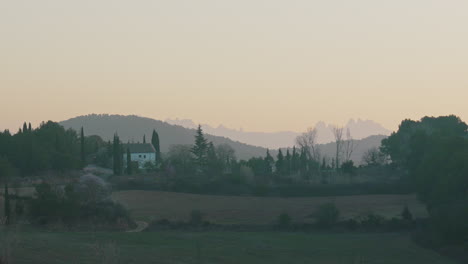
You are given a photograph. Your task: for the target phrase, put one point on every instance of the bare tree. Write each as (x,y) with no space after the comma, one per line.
(349,145)
(338,134)
(308,142)
(374,157)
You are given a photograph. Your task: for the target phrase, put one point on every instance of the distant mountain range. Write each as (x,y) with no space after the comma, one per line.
(359,129)
(132,128)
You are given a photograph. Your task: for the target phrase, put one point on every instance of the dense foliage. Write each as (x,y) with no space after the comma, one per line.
(48,147)
(84,203)
(434,152)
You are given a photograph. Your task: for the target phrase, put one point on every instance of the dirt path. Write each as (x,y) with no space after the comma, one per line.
(141,225)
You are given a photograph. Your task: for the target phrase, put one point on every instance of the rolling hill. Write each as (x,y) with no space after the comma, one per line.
(132,128)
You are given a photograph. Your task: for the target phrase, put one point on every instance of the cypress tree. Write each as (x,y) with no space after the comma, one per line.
(25,127)
(155,142)
(117,157)
(144,139)
(200,149)
(269,161)
(29,127)
(295,160)
(287,162)
(129,162)
(280,162)
(121,158)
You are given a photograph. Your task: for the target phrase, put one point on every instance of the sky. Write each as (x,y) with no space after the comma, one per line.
(263,65)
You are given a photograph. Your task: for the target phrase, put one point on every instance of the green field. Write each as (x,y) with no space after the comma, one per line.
(219,247)
(149,205)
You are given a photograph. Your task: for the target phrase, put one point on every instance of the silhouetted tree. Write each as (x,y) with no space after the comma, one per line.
(269,163)
(199,150)
(144,139)
(155,142)
(129,162)
(25,127)
(213,163)
(338,134)
(117,156)
(434,151)
(280,162)
(348,168)
(287,162)
(295,160)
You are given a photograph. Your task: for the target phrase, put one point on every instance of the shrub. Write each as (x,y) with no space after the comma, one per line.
(85,203)
(196,218)
(284,220)
(406,214)
(372,221)
(327,215)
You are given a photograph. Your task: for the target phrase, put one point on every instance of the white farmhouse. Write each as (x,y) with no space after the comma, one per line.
(140,152)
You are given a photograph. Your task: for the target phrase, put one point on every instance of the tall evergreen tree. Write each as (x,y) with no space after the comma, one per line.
(117,156)
(280,162)
(25,127)
(287,162)
(129,162)
(200,149)
(144,139)
(155,142)
(29,127)
(295,160)
(82,147)
(269,163)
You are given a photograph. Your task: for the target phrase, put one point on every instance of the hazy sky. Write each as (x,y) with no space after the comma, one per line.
(261,65)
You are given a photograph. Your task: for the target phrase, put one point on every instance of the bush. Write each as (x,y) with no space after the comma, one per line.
(196,218)
(406,214)
(327,215)
(86,203)
(372,221)
(284,220)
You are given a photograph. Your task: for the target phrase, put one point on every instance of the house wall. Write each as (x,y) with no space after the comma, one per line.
(142,158)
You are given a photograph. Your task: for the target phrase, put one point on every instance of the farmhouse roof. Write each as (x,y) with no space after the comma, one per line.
(140,148)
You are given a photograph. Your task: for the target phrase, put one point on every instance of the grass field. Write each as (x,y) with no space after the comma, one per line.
(219,248)
(148,205)
(230,247)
